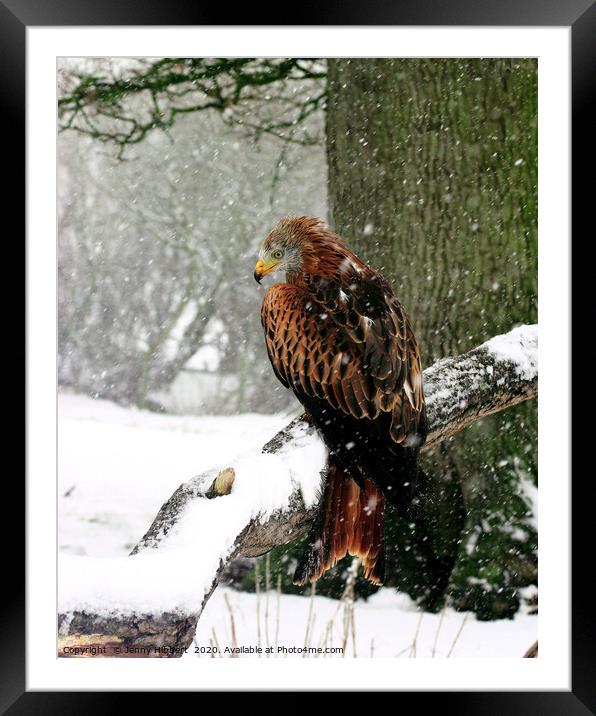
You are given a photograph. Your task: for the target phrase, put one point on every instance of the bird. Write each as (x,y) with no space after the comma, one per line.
(339,338)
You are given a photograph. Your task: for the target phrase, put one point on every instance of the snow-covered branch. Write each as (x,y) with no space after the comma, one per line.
(148,604)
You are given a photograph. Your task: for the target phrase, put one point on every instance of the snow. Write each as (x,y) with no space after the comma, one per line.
(387,623)
(161,580)
(520,347)
(116,468)
(446,392)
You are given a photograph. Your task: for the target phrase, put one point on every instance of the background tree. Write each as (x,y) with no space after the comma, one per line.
(432,168)
(157,240)
(431,178)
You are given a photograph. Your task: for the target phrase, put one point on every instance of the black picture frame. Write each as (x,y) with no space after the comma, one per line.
(580,15)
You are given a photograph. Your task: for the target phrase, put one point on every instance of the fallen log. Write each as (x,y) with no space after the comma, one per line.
(148,604)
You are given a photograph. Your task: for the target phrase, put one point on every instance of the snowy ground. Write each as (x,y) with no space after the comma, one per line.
(388,625)
(117,467)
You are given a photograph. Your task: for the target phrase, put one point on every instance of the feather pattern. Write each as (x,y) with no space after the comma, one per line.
(358,351)
(340,339)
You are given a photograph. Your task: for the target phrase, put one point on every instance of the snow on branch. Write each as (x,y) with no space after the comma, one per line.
(148,604)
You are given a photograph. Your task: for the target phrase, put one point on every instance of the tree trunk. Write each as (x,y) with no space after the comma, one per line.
(432,178)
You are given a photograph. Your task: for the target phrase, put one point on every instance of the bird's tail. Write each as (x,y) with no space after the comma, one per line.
(350,521)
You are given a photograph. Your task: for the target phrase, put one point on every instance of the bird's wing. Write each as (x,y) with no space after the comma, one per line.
(350,343)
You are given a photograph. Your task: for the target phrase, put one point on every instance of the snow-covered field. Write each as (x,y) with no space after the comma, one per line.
(117,466)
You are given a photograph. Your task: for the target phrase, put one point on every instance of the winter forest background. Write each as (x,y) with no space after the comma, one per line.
(171,172)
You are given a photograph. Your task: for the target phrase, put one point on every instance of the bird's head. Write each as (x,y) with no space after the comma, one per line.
(297,244)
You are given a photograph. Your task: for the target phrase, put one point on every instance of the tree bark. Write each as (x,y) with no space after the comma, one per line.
(459,391)
(432,179)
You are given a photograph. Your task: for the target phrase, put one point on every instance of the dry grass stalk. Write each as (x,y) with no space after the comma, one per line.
(436,639)
(348,598)
(215,641)
(311,619)
(233,639)
(258,600)
(414,643)
(267,586)
(459,631)
(277,612)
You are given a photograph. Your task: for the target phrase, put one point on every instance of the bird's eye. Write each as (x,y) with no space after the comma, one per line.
(277,254)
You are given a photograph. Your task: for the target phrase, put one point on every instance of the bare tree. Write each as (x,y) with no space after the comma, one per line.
(122,102)
(149,248)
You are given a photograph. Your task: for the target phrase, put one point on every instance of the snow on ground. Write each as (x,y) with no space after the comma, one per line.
(160,580)
(387,625)
(117,466)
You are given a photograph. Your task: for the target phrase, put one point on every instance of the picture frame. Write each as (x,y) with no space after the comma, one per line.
(16,16)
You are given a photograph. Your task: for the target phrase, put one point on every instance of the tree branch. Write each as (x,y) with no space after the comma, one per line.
(149,604)
(123,107)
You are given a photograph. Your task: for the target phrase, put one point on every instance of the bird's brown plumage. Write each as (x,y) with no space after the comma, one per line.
(340,339)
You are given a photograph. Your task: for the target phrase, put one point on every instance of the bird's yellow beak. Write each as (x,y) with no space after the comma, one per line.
(262,269)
